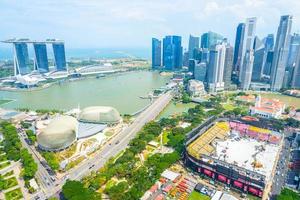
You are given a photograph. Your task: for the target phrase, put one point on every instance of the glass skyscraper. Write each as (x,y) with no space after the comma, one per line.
(193,44)
(156,53)
(281,52)
(172,52)
(59,56)
(210,39)
(41,58)
(21,59)
(238,47)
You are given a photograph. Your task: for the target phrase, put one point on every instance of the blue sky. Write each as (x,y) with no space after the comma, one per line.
(132,23)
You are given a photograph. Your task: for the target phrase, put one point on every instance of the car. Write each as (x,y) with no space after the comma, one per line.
(117,142)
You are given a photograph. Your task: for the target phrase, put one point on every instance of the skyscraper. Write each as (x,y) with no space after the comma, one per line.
(193,44)
(257,71)
(200,71)
(210,39)
(268,63)
(228,66)
(41,58)
(269,42)
(215,70)
(156,53)
(296,75)
(281,52)
(247,54)
(238,47)
(21,58)
(59,56)
(172,52)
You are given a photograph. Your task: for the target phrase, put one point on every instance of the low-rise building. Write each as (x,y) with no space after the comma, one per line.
(264,107)
(196,88)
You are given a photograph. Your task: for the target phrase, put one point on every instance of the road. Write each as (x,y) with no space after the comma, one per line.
(117,144)
(282,167)
(45,181)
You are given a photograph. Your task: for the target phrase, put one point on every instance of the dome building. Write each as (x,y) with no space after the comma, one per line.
(60,133)
(100,115)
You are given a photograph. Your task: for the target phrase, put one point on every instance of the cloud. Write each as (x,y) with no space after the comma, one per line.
(98,23)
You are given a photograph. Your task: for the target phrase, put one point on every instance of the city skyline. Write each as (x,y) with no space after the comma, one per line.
(99,24)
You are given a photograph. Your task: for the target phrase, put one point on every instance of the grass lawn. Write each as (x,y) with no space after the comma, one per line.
(228,106)
(250,197)
(75,162)
(11,182)
(3,165)
(198,196)
(14,194)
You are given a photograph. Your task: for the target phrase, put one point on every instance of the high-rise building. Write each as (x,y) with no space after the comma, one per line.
(257,71)
(193,44)
(156,53)
(268,63)
(59,56)
(197,54)
(41,58)
(296,75)
(210,39)
(21,58)
(228,66)
(247,54)
(238,47)
(269,42)
(185,61)
(172,52)
(215,72)
(200,71)
(281,52)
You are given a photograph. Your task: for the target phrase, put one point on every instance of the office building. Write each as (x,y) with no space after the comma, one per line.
(268,63)
(156,53)
(259,53)
(200,71)
(196,88)
(21,58)
(269,42)
(228,66)
(172,52)
(193,44)
(292,60)
(210,39)
(296,75)
(59,56)
(197,54)
(281,52)
(215,71)
(238,47)
(185,61)
(247,54)
(41,58)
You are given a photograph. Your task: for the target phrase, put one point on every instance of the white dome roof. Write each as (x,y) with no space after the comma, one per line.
(100,114)
(59,134)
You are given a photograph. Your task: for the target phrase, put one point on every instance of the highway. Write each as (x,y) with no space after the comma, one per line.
(115,145)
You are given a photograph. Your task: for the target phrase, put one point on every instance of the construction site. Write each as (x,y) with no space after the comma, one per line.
(234,153)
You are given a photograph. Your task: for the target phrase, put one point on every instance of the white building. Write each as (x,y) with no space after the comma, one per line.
(196,88)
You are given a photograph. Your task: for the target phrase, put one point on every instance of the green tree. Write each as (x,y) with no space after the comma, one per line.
(287,194)
(74,190)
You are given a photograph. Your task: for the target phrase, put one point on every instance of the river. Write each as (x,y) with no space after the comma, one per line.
(121,91)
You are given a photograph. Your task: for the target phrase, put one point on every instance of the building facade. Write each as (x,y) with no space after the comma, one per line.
(247,54)
(193,44)
(21,59)
(59,56)
(281,52)
(216,66)
(238,46)
(228,66)
(210,39)
(41,57)
(200,71)
(172,52)
(156,53)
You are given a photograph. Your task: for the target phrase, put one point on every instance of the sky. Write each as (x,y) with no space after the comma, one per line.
(132,23)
